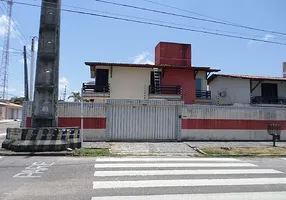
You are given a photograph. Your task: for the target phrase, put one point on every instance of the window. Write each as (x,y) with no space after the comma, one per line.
(269,90)
(101,80)
(198,84)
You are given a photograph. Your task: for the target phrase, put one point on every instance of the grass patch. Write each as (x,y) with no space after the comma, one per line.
(92,152)
(255,151)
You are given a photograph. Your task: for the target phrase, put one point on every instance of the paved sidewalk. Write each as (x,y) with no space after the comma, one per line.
(234,144)
(148,148)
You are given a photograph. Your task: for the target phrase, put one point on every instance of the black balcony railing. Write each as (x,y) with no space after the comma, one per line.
(165,89)
(203,94)
(95,88)
(268,100)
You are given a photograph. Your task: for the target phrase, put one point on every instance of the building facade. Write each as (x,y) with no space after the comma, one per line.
(245,89)
(172,77)
(10,111)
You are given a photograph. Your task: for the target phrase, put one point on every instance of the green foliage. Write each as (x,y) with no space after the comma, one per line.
(17,100)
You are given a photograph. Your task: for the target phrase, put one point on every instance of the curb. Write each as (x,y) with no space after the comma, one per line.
(245,155)
(10,153)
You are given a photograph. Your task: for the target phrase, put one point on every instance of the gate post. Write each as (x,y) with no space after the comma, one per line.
(179,122)
(108,120)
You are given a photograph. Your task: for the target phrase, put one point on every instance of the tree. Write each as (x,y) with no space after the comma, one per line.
(17,100)
(75,96)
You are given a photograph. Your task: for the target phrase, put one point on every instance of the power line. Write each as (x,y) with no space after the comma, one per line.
(153,24)
(188,11)
(177,24)
(15,27)
(190,17)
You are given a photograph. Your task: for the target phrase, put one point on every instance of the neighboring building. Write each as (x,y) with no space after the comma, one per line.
(229,89)
(171,77)
(10,111)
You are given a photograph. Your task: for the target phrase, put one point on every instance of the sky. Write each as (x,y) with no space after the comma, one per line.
(90,38)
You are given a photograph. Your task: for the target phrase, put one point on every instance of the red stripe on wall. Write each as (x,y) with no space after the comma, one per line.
(28,122)
(88,122)
(229,124)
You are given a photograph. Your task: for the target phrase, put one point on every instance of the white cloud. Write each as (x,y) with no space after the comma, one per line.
(3,25)
(63,82)
(142,58)
(267,37)
(14,92)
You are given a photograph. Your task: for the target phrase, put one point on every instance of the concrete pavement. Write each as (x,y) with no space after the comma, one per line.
(112,178)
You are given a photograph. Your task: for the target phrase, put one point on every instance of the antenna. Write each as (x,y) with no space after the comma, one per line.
(65,93)
(5,54)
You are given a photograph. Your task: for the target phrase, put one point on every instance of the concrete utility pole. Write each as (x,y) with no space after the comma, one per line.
(26,87)
(47,71)
(32,68)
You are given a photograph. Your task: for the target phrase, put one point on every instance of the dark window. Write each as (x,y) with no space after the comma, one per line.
(91,100)
(269,90)
(198,84)
(101,79)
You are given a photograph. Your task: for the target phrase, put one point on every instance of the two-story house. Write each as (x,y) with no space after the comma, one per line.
(230,89)
(172,77)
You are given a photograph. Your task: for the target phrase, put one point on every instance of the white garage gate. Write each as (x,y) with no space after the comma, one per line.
(142,120)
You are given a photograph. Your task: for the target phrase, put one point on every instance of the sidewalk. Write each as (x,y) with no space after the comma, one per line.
(144,148)
(234,144)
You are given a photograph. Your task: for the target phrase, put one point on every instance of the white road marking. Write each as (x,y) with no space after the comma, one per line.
(161,165)
(34,171)
(1,157)
(184,172)
(186,183)
(220,196)
(283,158)
(164,159)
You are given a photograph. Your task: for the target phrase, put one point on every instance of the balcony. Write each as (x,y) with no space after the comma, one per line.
(268,100)
(92,90)
(170,92)
(203,94)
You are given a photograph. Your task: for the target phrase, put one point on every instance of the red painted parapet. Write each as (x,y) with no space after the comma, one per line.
(173,54)
(230,123)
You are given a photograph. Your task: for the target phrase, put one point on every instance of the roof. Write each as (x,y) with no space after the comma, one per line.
(94,64)
(268,78)
(10,105)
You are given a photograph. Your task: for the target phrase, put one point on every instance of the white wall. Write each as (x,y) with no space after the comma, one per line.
(2,112)
(129,82)
(202,75)
(280,85)
(237,90)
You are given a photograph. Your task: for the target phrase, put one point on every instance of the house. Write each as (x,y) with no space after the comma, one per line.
(10,111)
(172,77)
(229,89)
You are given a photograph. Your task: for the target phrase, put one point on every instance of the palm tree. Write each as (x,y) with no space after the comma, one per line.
(76,96)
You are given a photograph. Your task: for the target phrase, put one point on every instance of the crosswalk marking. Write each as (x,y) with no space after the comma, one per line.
(171,178)
(186,183)
(161,165)
(184,172)
(221,196)
(1,157)
(165,159)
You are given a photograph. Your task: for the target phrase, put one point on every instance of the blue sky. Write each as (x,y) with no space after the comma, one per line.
(89,38)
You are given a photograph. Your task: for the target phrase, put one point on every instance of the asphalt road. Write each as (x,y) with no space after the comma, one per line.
(53,178)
